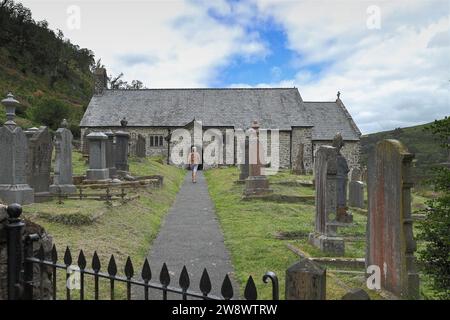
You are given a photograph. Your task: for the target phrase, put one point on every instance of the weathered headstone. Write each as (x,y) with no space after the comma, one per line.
(256,184)
(299,167)
(342,214)
(110,155)
(324,236)
(390,242)
(97,157)
(121,152)
(306,280)
(40,148)
(355,189)
(63,174)
(13,156)
(141,147)
(244,167)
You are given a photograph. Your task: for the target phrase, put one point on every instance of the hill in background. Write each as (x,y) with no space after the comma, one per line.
(425,146)
(36,63)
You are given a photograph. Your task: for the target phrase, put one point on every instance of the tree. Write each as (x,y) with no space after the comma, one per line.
(50,112)
(435,229)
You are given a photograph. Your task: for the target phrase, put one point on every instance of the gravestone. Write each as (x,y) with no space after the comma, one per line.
(140,147)
(110,155)
(355,189)
(342,214)
(121,152)
(299,167)
(63,174)
(244,167)
(97,157)
(390,241)
(324,236)
(256,184)
(13,157)
(40,148)
(305,280)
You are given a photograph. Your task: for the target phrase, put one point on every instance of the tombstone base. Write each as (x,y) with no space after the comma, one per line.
(63,188)
(328,244)
(97,174)
(18,193)
(40,197)
(257,185)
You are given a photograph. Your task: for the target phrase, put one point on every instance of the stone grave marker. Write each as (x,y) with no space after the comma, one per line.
(111,155)
(356,189)
(98,171)
(256,184)
(306,280)
(342,213)
(325,236)
(40,148)
(13,157)
(390,241)
(299,167)
(141,147)
(121,152)
(63,174)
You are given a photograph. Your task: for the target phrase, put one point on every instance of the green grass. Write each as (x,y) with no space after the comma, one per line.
(250,229)
(126,230)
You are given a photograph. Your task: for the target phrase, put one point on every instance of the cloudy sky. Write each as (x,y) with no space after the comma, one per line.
(390,59)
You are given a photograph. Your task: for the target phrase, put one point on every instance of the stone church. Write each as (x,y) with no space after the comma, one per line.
(152,114)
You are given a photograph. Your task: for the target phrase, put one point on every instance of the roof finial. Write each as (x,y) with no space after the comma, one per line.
(124,122)
(338,94)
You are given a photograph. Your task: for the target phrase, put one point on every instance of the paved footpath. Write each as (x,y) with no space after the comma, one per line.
(190,235)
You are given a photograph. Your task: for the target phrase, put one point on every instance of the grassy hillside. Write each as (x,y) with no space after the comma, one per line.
(37,63)
(425,146)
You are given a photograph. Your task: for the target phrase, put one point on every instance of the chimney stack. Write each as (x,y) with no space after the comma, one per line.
(101,80)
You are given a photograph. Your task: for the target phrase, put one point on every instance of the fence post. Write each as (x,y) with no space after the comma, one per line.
(14,229)
(305,280)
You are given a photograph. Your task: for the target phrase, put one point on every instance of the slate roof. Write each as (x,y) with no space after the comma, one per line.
(329,118)
(275,108)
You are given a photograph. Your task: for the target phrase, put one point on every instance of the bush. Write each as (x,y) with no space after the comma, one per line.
(435,257)
(49,112)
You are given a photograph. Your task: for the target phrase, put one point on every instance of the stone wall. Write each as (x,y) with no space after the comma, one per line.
(351,151)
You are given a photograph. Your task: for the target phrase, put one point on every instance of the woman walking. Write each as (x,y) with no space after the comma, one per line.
(194,160)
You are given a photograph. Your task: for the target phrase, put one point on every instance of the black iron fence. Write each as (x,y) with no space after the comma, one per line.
(24,278)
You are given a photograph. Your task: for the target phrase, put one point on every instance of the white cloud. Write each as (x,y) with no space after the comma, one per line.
(395,76)
(162,43)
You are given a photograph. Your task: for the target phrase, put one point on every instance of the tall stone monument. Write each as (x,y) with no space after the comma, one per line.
(13,156)
(325,236)
(63,174)
(121,152)
(39,161)
(256,184)
(390,241)
(342,214)
(110,155)
(97,157)
(355,189)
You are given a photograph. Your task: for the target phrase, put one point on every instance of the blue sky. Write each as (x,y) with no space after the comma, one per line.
(389,59)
